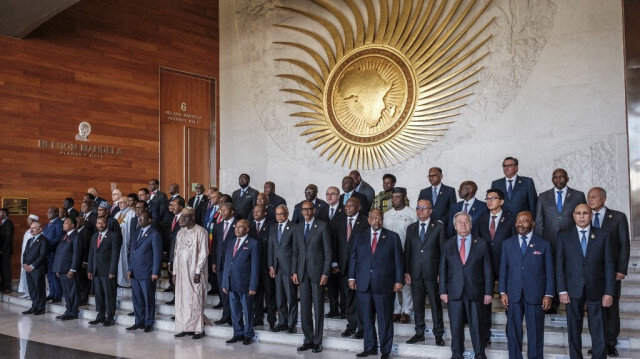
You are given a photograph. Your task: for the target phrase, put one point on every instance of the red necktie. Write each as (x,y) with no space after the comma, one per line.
(99,240)
(492,228)
(66,236)
(374,243)
(235,248)
(463,251)
(349,229)
(173,225)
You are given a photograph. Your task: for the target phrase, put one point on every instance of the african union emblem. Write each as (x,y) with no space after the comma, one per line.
(385,89)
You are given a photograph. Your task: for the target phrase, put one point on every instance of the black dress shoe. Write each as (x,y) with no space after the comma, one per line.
(235,339)
(49,297)
(218,306)
(38,312)
(612,351)
(416,338)
(247,341)
(198,336)
(212,292)
(135,326)
(132,314)
(30,311)
(551,311)
(70,317)
(317,348)
(148,329)
(278,328)
(366,353)
(222,321)
(109,323)
(173,317)
(589,351)
(258,324)
(439,341)
(359,335)
(305,346)
(183,334)
(61,316)
(56,300)
(332,315)
(169,290)
(488,344)
(347,333)
(97,321)
(292,329)
(171,302)
(384,356)
(82,304)
(6,291)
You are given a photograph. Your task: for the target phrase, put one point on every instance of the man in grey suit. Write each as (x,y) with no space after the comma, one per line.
(311,268)
(279,262)
(363,187)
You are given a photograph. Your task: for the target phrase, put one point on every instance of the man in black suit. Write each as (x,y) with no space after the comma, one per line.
(199,203)
(174,192)
(244,198)
(616,224)
(585,275)
(153,208)
(116,197)
(422,249)
(102,269)
(34,261)
(171,229)
(344,229)
(329,214)
(112,223)
(223,233)
(466,285)
(333,209)
(311,267)
(279,261)
(468,204)
(6,249)
(84,240)
(274,199)
(441,196)
(348,187)
(89,216)
(311,195)
(259,229)
(520,191)
(157,199)
(96,200)
(376,270)
(68,205)
(494,226)
(270,209)
(363,187)
(66,265)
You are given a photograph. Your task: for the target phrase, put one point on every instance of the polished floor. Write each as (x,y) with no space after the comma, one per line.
(45,337)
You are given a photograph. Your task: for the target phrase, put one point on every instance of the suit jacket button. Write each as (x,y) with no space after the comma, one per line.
(371,270)
(422,251)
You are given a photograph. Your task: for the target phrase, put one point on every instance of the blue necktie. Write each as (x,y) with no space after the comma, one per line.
(279,232)
(346,198)
(466,208)
(596,220)
(422,232)
(523,247)
(434,196)
(559,201)
(306,233)
(509,189)
(242,192)
(583,243)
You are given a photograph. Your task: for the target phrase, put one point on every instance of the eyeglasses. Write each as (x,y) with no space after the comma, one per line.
(310,191)
(330,194)
(509,165)
(306,209)
(433,176)
(489,199)
(422,208)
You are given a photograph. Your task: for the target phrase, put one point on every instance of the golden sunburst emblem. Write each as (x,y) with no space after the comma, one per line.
(382,91)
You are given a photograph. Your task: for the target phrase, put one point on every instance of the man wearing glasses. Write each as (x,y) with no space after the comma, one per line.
(333,210)
(311,195)
(520,192)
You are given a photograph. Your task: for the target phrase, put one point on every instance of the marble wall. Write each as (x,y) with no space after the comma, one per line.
(551,94)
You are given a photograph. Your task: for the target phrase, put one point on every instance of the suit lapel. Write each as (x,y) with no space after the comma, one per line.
(380,243)
(428,232)
(533,243)
(590,241)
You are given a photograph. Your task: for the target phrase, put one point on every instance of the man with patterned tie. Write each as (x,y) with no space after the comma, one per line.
(616,224)
(469,204)
(520,191)
(585,276)
(67,263)
(466,285)
(34,261)
(102,269)
(441,196)
(527,285)
(223,234)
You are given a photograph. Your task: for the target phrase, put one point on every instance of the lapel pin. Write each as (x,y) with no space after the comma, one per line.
(384,236)
(473,208)
(475,241)
(593,236)
(315,226)
(433,225)
(611,216)
(287,228)
(531,245)
(568,194)
(501,219)
(519,181)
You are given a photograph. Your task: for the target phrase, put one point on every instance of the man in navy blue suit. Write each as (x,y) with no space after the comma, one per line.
(145,261)
(34,259)
(469,204)
(441,196)
(376,272)
(240,281)
(67,262)
(526,286)
(223,234)
(53,232)
(585,275)
(466,285)
(520,192)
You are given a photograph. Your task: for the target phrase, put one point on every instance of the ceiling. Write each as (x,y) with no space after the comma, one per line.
(18,18)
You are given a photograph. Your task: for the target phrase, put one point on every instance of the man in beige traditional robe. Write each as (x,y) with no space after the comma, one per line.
(190,276)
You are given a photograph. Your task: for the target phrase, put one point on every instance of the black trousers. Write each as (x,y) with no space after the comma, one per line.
(612,317)
(70,293)
(266,295)
(473,311)
(351,307)
(575,318)
(336,293)
(84,286)
(105,292)
(420,290)
(224,298)
(5,270)
(37,289)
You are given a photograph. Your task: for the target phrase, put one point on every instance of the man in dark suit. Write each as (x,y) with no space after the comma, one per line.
(145,262)
(112,223)
(494,226)
(152,208)
(66,265)
(466,285)
(244,198)
(279,261)
(157,199)
(116,197)
(311,195)
(348,187)
(311,267)
(422,248)
(34,261)
(53,232)
(520,192)
(363,187)
(441,196)
(376,271)
(68,205)
(102,269)
(274,199)
(333,209)
(616,224)
(527,285)
(84,241)
(223,234)
(6,249)
(171,229)
(199,203)
(240,281)
(96,200)
(270,209)
(469,204)
(329,214)
(585,275)
(88,216)
(259,229)
(344,229)
(174,192)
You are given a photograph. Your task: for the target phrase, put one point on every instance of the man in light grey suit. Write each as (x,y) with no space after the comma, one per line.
(311,269)
(279,261)
(363,187)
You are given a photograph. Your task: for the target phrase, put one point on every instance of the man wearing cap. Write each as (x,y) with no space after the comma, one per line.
(23,287)
(397,219)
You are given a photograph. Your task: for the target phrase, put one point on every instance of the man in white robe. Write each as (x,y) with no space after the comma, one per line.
(124,219)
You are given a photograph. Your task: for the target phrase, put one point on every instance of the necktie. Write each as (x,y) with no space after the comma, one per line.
(583,243)
(242,192)
(374,242)
(523,246)
(434,195)
(173,224)
(346,198)
(559,201)
(66,237)
(306,233)
(257,227)
(422,231)
(226,229)
(331,213)
(509,189)
(279,232)
(492,227)
(349,228)
(195,205)
(596,220)
(466,208)
(235,248)
(463,250)
(99,240)
(30,242)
